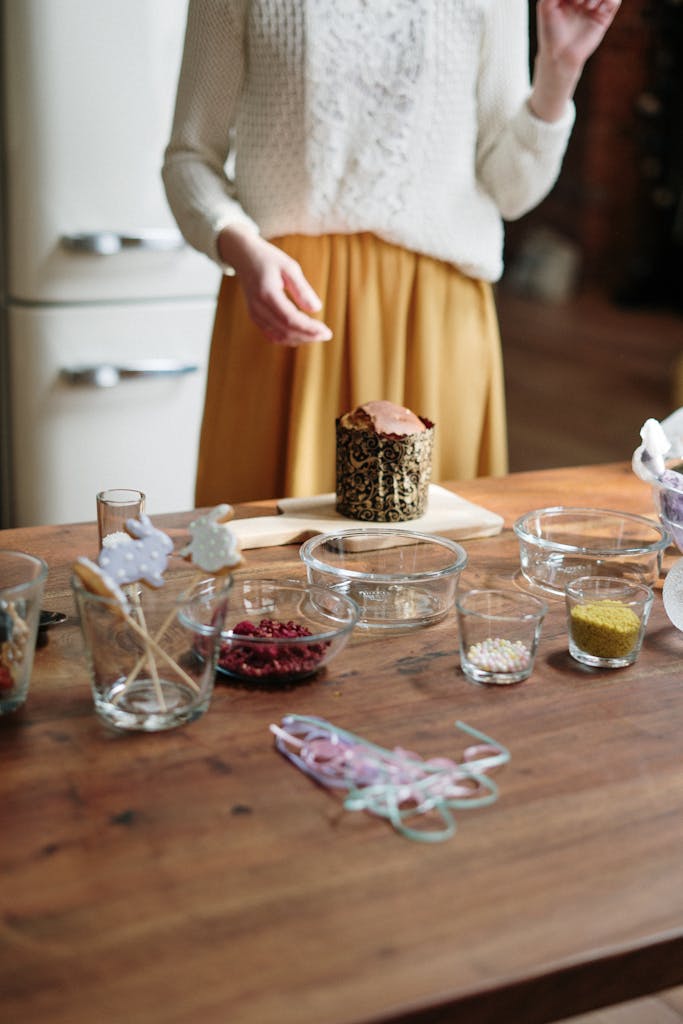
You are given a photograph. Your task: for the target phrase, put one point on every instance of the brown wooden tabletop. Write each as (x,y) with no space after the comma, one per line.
(197,877)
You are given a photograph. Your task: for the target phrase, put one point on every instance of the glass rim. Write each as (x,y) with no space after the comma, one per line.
(554,512)
(300,587)
(185,596)
(134,496)
(313,562)
(622,582)
(541,608)
(24,556)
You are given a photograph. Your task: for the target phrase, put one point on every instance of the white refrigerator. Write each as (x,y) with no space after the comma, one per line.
(106,314)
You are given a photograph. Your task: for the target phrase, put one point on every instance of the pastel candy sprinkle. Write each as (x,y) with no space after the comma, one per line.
(498,654)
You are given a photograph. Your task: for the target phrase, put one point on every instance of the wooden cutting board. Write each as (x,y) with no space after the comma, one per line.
(301,518)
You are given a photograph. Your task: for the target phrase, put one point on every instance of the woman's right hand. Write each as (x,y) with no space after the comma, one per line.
(278,296)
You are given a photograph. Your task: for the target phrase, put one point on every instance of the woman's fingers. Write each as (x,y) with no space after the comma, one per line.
(278,296)
(603,9)
(281,320)
(278,314)
(298,287)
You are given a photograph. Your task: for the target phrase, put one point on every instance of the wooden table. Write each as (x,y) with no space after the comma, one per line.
(197,877)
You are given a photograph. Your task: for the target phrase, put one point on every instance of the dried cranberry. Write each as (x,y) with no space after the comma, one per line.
(6,681)
(261,661)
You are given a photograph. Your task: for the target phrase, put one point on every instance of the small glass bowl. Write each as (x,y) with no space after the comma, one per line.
(606,620)
(561,543)
(498,633)
(399,579)
(280,631)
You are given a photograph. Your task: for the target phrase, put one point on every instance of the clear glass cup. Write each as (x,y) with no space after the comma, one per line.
(22,581)
(499,632)
(114,508)
(606,619)
(152,664)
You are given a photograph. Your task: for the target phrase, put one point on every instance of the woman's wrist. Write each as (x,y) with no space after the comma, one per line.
(233,242)
(553,88)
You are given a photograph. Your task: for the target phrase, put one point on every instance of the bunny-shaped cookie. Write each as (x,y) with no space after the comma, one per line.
(213,546)
(142,557)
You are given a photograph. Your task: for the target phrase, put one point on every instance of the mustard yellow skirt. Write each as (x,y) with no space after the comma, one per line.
(407,328)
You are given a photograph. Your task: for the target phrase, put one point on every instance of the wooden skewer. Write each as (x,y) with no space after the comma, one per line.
(135,671)
(147,656)
(100,584)
(159,651)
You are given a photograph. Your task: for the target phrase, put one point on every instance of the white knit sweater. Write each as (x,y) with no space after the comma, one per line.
(406,118)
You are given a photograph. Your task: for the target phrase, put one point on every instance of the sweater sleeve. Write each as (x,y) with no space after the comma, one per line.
(197,187)
(519,156)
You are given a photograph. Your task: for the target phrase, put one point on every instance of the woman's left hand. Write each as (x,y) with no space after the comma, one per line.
(569,31)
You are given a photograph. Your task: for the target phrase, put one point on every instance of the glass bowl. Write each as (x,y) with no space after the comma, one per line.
(667,493)
(280,631)
(561,543)
(399,579)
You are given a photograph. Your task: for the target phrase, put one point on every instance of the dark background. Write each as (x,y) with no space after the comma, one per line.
(591,301)
(620,194)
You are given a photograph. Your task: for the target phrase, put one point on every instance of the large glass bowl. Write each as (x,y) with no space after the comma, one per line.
(561,543)
(280,631)
(399,579)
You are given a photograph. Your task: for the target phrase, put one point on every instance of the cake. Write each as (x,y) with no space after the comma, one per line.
(383,463)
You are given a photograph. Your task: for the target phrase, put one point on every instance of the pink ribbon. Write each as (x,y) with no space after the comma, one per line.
(396,784)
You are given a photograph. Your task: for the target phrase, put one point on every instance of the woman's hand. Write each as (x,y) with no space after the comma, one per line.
(569,32)
(277,294)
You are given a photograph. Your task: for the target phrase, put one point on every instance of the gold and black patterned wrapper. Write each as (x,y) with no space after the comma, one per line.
(380,478)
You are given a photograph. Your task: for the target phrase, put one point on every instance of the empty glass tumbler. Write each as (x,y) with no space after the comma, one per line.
(114,508)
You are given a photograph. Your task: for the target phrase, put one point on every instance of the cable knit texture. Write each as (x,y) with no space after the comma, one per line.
(405,118)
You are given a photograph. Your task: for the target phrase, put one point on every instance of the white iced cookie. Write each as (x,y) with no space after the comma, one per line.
(96,581)
(142,557)
(214,546)
(672,594)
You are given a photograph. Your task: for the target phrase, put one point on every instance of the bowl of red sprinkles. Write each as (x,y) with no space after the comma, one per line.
(280,631)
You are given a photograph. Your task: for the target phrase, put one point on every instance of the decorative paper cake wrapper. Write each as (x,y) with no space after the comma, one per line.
(383,479)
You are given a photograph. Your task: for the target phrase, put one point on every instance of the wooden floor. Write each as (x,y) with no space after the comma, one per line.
(582,378)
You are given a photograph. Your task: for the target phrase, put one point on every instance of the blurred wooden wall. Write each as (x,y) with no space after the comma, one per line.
(624,163)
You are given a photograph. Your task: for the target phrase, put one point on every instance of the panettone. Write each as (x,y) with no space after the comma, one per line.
(383,464)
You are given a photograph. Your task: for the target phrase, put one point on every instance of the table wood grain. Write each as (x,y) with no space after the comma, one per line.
(196,877)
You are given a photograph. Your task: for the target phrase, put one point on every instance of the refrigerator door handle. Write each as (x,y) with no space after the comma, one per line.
(107,375)
(109,243)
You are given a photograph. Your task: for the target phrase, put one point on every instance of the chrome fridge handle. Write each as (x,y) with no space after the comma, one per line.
(109,243)
(107,375)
